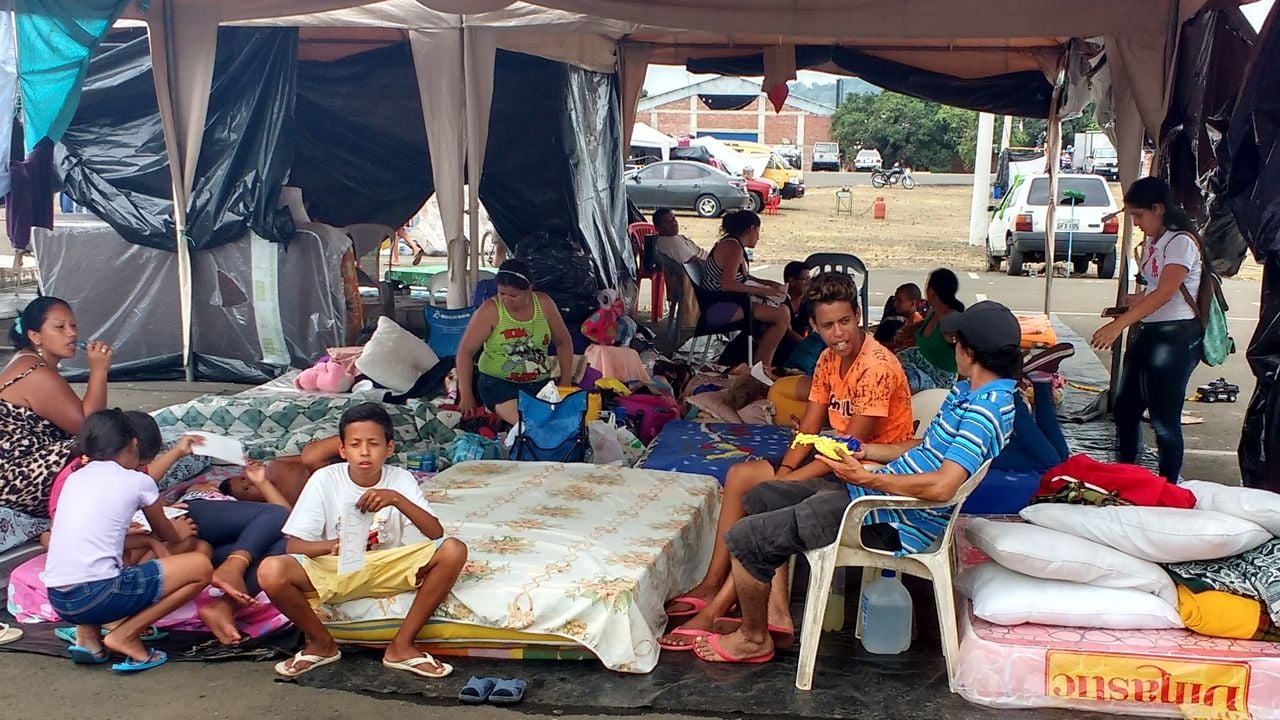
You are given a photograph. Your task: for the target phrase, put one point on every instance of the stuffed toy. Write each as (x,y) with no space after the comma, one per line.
(325,376)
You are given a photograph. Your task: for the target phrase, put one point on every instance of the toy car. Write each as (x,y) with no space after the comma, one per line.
(1218,391)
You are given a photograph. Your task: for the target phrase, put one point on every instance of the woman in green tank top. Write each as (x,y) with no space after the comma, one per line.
(932,362)
(513,332)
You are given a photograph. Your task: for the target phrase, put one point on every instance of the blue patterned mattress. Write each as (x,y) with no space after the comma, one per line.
(711,448)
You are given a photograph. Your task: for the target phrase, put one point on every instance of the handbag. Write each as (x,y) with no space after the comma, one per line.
(601,327)
(1210,308)
(552,432)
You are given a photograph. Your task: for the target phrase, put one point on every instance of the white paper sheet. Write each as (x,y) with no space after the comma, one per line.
(169,512)
(221,448)
(353,536)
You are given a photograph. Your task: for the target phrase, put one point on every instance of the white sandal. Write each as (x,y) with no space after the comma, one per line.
(414,665)
(288,668)
(9,634)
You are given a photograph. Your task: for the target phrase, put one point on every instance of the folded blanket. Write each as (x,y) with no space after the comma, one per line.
(1220,614)
(1255,574)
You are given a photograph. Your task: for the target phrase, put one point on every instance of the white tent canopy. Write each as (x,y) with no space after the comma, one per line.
(646,137)
(454,40)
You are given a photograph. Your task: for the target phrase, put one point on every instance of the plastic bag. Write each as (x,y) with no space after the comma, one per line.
(606,449)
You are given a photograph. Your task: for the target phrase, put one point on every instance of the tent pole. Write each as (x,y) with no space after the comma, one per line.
(1006,132)
(981,179)
(179,204)
(1052,150)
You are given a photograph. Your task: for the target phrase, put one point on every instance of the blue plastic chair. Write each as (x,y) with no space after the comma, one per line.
(552,432)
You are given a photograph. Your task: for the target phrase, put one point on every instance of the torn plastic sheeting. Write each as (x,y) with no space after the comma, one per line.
(1213,50)
(1253,175)
(361,153)
(1260,435)
(536,163)
(115,162)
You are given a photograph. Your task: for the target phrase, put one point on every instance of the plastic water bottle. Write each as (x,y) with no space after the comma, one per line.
(886,616)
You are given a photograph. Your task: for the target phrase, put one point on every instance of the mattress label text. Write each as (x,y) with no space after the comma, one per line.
(1201,689)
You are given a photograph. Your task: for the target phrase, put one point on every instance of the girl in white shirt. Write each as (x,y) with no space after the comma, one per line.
(1165,344)
(88,583)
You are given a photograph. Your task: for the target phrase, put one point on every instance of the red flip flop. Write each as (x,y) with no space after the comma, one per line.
(696,605)
(684,632)
(725,657)
(783,638)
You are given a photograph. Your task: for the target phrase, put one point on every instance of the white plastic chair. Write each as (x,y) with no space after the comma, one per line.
(438,288)
(925,406)
(848,551)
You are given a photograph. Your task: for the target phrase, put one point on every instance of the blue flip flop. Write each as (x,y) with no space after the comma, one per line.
(68,634)
(508,692)
(85,656)
(155,659)
(477,690)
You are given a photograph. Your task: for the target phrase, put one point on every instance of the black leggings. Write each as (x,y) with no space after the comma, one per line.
(252,527)
(1157,368)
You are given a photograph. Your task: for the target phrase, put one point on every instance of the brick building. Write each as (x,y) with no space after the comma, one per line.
(688,111)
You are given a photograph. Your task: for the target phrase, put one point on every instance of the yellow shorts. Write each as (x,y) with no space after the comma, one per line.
(385,573)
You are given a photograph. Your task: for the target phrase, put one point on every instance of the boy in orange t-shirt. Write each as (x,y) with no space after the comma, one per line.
(858,387)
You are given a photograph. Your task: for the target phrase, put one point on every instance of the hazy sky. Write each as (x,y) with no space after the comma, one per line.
(662,78)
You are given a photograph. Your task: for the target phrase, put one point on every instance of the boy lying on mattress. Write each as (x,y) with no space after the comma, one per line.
(858,390)
(364,490)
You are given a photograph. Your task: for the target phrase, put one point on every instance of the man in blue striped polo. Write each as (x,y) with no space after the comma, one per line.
(785,518)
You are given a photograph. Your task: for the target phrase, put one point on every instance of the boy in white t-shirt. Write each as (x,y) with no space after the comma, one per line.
(399,557)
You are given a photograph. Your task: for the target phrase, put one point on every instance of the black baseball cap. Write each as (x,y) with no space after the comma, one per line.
(986,326)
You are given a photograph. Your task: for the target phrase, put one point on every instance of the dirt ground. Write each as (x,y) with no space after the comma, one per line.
(927,226)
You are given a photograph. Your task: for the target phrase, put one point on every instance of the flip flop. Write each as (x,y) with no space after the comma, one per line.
(85,656)
(155,658)
(508,692)
(725,657)
(477,690)
(783,638)
(414,665)
(283,667)
(684,632)
(9,634)
(695,604)
(68,634)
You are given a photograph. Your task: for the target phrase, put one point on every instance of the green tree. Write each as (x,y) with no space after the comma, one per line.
(916,132)
(1031,132)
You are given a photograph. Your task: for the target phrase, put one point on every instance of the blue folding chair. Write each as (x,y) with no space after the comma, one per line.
(552,432)
(445,329)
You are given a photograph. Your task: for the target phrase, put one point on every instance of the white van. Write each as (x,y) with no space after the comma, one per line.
(867,159)
(825,156)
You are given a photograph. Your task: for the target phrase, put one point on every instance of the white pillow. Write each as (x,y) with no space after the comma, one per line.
(1044,553)
(1005,597)
(394,357)
(1161,535)
(1259,506)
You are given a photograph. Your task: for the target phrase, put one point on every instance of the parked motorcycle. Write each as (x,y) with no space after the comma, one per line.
(894,176)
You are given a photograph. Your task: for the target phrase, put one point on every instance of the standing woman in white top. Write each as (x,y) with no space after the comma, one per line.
(1165,344)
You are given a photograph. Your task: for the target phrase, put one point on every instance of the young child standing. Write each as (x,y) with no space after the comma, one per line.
(309,577)
(87,580)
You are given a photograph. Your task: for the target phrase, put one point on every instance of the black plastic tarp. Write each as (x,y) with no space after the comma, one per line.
(1253,194)
(361,147)
(1213,48)
(113,156)
(727,102)
(1012,155)
(554,134)
(1025,94)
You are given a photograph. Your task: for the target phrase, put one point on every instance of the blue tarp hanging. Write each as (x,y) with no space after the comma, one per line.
(55,39)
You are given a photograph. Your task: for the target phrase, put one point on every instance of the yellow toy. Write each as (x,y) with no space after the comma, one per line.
(836,448)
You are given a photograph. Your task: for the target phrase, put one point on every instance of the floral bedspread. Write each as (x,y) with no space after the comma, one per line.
(590,553)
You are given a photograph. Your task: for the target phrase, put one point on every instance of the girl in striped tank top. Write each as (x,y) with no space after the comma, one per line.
(726,271)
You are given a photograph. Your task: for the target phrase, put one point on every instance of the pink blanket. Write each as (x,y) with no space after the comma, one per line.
(29,603)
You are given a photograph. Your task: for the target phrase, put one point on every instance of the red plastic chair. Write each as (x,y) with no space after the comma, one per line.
(638,232)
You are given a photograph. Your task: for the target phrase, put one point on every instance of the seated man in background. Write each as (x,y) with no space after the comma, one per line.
(670,242)
(788,517)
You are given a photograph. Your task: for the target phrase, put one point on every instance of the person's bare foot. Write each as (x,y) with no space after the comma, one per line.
(90,639)
(705,594)
(118,643)
(229,578)
(675,639)
(220,617)
(735,646)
